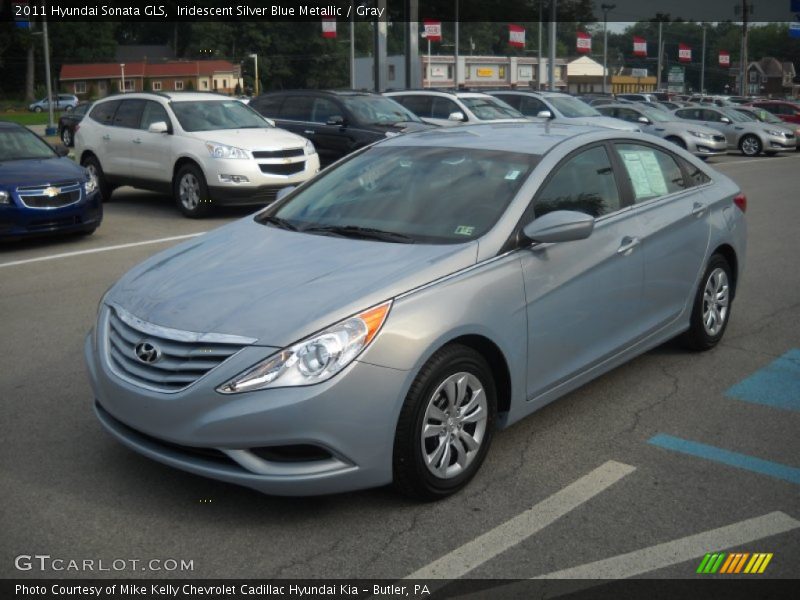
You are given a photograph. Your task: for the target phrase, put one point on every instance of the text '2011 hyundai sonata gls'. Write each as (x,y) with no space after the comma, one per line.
(378,323)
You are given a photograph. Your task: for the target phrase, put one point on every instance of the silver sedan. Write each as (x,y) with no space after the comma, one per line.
(379,323)
(697,139)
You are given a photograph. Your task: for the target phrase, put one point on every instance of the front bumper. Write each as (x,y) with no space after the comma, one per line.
(704,147)
(779,144)
(350,418)
(18,221)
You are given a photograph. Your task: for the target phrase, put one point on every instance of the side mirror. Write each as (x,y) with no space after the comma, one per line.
(336,120)
(725,120)
(283,192)
(158,127)
(457,116)
(644,120)
(270,121)
(544,114)
(61,150)
(560,226)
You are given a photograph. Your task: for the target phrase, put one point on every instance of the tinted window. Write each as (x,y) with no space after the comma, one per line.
(104,113)
(443,108)
(532,106)
(689,113)
(80,109)
(324,109)
(584,183)
(419,105)
(512,100)
(214,115)
(153,113)
(695,174)
(129,114)
(490,108)
(377,110)
(711,115)
(297,108)
(269,106)
(652,173)
(627,114)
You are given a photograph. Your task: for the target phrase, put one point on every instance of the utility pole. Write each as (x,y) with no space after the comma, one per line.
(660,53)
(413,68)
(539,51)
(51,129)
(703,64)
(455,65)
(553,13)
(606,8)
(746,9)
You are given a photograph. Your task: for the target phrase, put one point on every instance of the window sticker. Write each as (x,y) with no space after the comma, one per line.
(645,173)
(512,175)
(464,230)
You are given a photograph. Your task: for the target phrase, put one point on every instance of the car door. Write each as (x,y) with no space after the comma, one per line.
(631,115)
(121,135)
(151,153)
(713,118)
(334,141)
(675,229)
(295,116)
(583,298)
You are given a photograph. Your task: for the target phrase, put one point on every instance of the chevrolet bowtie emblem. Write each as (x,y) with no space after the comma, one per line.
(51,192)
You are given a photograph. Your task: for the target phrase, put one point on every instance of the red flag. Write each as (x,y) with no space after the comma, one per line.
(639,46)
(684,53)
(584,42)
(328,27)
(724,58)
(433,30)
(516,36)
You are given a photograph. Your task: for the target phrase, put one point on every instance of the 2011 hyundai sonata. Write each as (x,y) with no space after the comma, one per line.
(380,322)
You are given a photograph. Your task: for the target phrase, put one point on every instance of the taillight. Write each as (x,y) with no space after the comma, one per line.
(741,202)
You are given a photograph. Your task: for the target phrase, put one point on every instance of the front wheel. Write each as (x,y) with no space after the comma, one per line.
(66,137)
(38,109)
(446,424)
(712,306)
(191,192)
(91,164)
(750,145)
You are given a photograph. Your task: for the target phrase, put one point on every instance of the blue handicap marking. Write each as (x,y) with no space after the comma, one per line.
(777,384)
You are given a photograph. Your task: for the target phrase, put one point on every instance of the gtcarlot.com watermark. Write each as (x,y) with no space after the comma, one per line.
(46,563)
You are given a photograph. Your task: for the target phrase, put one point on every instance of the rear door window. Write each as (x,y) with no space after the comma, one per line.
(104,113)
(652,172)
(418,104)
(297,108)
(324,109)
(129,114)
(269,106)
(153,113)
(443,108)
(532,106)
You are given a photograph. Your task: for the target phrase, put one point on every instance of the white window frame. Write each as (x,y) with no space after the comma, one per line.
(80,87)
(156,85)
(204,84)
(178,85)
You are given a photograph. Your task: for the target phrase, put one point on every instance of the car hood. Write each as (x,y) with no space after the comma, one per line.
(274,285)
(608,122)
(40,171)
(266,138)
(684,126)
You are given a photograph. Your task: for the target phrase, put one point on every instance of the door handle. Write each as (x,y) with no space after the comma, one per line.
(627,245)
(106,137)
(137,141)
(698,209)
(309,132)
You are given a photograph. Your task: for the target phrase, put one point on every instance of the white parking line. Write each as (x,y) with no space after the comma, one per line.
(485,547)
(103,249)
(680,550)
(777,161)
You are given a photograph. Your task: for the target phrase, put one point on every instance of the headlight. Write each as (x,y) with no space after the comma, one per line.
(775,132)
(90,185)
(309,148)
(701,135)
(222,151)
(315,359)
(5,197)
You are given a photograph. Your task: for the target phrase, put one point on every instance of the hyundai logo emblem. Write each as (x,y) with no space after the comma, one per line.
(147,352)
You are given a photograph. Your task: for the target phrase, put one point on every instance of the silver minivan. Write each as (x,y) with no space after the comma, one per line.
(379,323)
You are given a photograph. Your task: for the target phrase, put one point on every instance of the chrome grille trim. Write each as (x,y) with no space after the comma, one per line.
(68,194)
(186,356)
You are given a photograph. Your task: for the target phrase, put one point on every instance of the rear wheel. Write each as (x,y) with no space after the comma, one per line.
(446,424)
(712,306)
(91,164)
(191,192)
(37,109)
(66,137)
(750,145)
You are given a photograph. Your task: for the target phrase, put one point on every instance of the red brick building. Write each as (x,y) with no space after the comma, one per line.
(100,79)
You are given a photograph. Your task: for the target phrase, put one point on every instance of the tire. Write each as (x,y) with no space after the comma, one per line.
(677,141)
(708,323)
(750,145)
(465,443)
(37,109)
(66,137)
(91,164)
(191,192)
(68,108)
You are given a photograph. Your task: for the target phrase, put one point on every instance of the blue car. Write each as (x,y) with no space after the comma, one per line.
(42,191)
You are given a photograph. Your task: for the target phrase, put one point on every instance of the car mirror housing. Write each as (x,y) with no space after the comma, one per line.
(158,127)
(560,226)
(336,120)
(544,114)
(725,120)
(644,120)
(457,116)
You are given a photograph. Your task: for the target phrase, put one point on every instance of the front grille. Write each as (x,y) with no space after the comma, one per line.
(718,138)
(180,359)
(50,196)
(288,153)
(283,169)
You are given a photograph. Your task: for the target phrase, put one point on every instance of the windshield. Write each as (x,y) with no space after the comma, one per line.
(375,110)
(656,115)
(765,116)
(572,107)
(413,194)
(736,116)
(488,108)
(211,115)
(21,144)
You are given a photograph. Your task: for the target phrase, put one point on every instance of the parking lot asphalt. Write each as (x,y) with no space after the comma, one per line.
(636,474)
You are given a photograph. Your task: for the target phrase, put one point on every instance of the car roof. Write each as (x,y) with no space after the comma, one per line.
(438,92)
(524,137)
(347,93)
(171,96)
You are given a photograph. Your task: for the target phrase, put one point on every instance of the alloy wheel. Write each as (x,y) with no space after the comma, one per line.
(716,299)
(189,191)
(750,146)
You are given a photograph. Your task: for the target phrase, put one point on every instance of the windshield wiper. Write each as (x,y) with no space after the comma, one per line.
(366,233)
(279,222)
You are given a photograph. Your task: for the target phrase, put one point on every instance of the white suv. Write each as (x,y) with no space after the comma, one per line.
(455,108)
(205,149)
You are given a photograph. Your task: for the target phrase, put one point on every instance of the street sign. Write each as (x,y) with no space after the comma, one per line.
(675,75)
(639,72)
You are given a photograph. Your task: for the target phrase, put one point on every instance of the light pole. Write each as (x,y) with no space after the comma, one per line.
(51,129)
(255,77)
(455,65)
(122,69)
(552,76)
(427,75)
(606,8)
(703,64)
